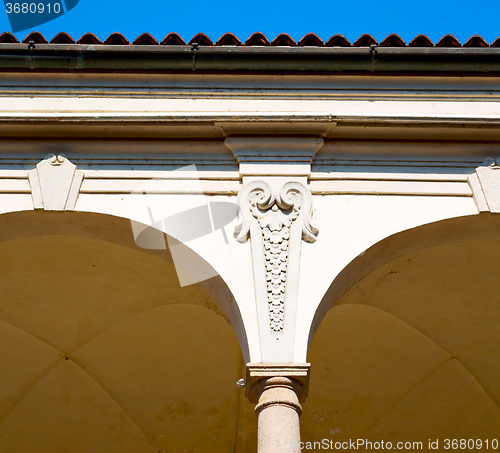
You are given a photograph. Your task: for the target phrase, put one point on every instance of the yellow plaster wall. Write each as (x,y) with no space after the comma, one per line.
(412,351)
(102,351)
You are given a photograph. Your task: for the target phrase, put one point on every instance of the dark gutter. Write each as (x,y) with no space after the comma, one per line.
(242,59)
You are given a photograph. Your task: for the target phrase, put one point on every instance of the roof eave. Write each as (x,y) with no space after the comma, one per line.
(255,59)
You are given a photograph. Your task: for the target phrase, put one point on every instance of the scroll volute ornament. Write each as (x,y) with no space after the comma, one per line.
(258,200)
(268,216)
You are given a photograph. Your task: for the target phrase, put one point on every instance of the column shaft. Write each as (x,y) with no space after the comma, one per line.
(278,412)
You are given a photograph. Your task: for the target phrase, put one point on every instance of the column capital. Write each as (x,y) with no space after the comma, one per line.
(262,376)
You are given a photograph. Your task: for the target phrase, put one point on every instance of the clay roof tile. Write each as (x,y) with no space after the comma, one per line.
(201,39)
(476,41)
(448,41)
(116,39)
(496,43)
(393,41)
(145,40)
(8,38)
(365,40)
(62,38)
(36,37)
(228,39)
(89,38)
(283,40)
(421,41)
(338,41)
(311,40)
(173,39)
(257,39)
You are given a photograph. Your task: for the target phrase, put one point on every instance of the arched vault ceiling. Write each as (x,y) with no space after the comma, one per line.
(103,351)
(117,231)
(449,231)
(412,351)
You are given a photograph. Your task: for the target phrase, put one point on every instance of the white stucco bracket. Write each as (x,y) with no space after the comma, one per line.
(55,184)
(276,219)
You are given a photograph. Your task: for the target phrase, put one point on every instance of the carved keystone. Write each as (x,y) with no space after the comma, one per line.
(489,179)
(55,184)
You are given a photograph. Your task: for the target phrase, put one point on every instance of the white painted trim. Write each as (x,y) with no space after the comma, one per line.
(36,191)
(249,86)
(164,186)
(15,185)
(136,109)
(393,176)
(377,187)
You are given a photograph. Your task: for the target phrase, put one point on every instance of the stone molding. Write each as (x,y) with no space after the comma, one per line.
(278,391)
(276,220)
(55,184)
(290,376)
(274,156)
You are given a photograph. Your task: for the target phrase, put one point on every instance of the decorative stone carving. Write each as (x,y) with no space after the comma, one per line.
(275,213)
(276,221)
(55,184)
(485,185)
(261,198)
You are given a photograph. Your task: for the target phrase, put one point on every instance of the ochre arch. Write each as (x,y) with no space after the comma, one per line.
(103,351)
(410,350)
(375,377)
(483,226)
(117,230)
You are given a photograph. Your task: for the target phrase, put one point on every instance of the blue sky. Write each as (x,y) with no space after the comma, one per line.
(325,18)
